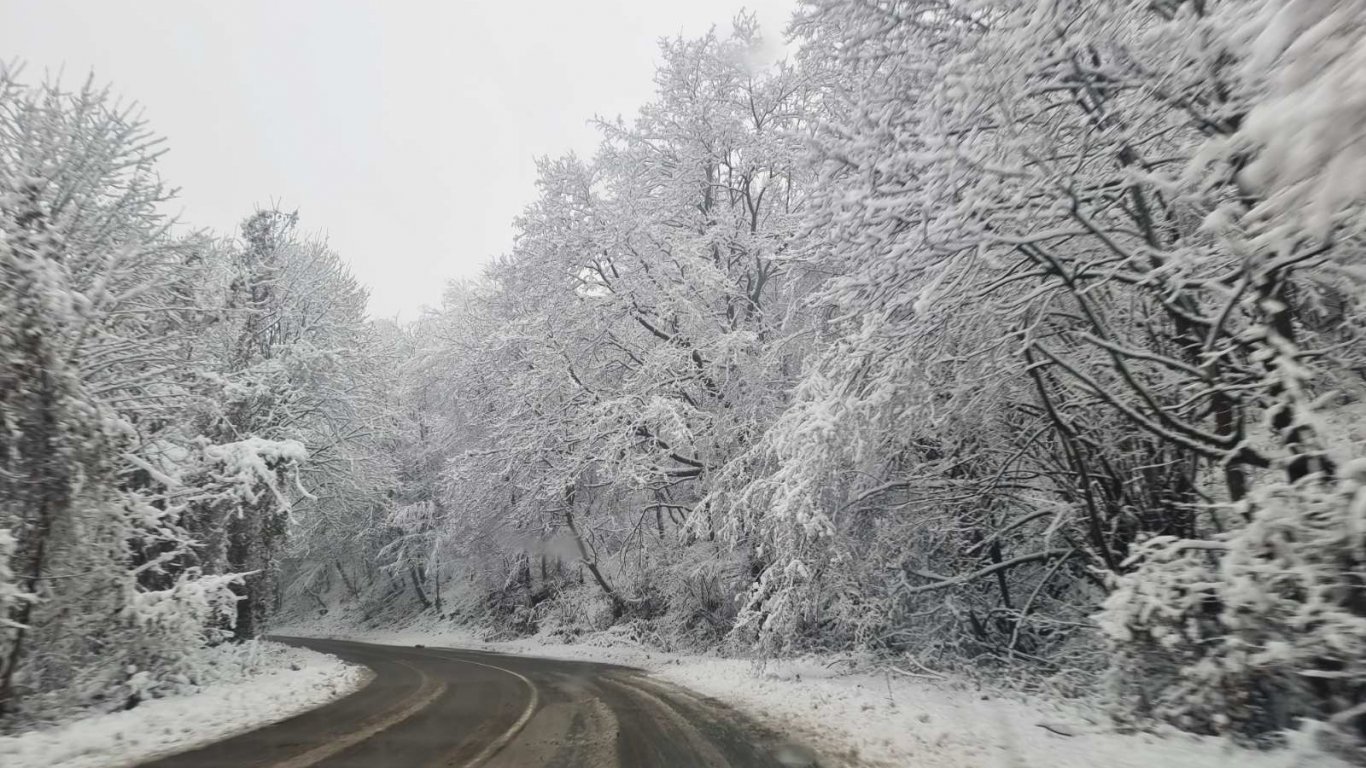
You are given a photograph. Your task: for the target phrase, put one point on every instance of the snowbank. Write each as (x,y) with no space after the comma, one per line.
(881,720)
(251,685)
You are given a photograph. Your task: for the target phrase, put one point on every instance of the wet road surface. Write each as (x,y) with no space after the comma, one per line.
(430,707)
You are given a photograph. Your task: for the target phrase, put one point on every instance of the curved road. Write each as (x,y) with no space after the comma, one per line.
(460,709)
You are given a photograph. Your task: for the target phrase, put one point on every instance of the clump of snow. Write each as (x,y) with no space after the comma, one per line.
(857,717)
(249,464)
(1309,56)
(241,687)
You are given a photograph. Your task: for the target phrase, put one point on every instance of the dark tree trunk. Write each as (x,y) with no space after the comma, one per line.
(417,587)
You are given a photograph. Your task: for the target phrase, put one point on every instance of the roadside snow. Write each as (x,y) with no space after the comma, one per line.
(876,720)
(253,685)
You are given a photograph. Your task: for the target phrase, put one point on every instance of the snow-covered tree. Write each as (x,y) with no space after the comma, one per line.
(1090,298)
(160,393)
(633,342)
(89,322)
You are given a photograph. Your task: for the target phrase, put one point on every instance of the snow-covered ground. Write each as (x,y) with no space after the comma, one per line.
(255,684)
(877,720)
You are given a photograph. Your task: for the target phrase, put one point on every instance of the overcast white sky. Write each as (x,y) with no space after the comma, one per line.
(404,130)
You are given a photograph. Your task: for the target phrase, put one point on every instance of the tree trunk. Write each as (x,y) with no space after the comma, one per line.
(417,587)
(436,585)
(350,588)
(592,565)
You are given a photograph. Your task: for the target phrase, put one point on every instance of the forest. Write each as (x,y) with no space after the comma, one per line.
(981,337)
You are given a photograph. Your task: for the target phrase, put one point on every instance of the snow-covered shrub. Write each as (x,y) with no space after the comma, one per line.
(172,625)
(701,590)
(574,610)
(1251,631)
(519,599)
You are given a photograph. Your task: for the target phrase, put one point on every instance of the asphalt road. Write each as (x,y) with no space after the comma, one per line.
(460,709)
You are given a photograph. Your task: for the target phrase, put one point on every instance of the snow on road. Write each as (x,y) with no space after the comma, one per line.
(880,720)
(253,686)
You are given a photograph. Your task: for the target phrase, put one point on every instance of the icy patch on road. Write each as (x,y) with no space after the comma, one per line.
(862,719)
(246,686)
